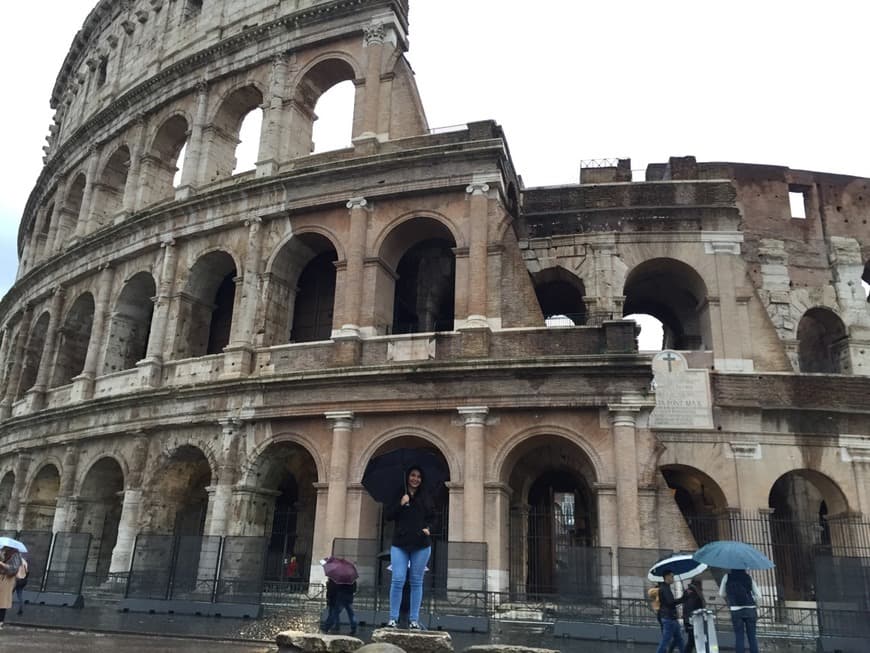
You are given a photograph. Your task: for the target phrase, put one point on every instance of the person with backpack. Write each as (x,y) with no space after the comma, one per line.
(671,631)
(339,597)
(21,583)
(741,593)
(10,561)
(694,601)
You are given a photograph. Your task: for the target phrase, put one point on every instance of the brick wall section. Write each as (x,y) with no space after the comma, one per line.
(519,304)
(791,391)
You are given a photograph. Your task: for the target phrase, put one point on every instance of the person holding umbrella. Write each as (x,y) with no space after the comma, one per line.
(671,631)
(10,561)
(341,578)
(742,595)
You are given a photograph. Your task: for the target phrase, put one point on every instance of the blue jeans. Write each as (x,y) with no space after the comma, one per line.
(399,559)
(671,631)
(744,620)
(334,616)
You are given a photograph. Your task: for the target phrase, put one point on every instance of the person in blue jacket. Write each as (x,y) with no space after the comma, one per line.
(742,595)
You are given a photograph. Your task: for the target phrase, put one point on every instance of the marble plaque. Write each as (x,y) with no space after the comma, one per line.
(682,394)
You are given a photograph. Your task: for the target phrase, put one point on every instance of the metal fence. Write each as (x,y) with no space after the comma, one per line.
(66,566)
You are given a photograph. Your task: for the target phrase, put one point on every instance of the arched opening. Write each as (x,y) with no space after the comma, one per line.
(333,127)
(33,351)
(160,166)
(822,343)
(702,504)
(42,246)
(7,485)
(73,205)
(284,511)
(652,332)
(560,295)
(221,152)
(301,291)
(322,77)
(206,312)
(553,520)
(109,192)
(177,500)
(809,518)
(73,340)
(41,501)
(99,513)
(674,294)
(130,324)
(865,281)
(248,149)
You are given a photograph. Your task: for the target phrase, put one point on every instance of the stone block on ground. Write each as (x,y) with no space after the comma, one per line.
(415,641)
(506,648)
(298,641)
(380,647)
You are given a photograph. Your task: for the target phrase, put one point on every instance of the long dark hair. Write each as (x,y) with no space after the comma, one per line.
(421,494)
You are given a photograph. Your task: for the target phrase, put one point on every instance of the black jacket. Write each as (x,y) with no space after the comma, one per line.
(694,601)
(410,521)
(339,594)
(668,609)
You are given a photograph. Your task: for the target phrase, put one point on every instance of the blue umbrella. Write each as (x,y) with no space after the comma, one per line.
(728,554)
(683,566)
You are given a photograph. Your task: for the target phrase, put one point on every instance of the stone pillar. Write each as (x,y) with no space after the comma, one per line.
(64,513)
(622,419)
(478,210)
(37,392)
(190,173)
(17,353)
(320,547)
(128,526)
(270,135)
(220,493)
(238,356)
(475,468)
(51,243)
(356,249)
(129,204)
(83,384)
(38,239)
(608,534)
(373,44)
(497,535)
(13,516)
(5,348)
(339,457)
(150,367)
(84,224)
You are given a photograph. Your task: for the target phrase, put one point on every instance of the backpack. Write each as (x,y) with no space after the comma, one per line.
(654,602)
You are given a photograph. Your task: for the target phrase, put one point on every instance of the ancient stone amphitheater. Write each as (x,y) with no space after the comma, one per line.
(209,353)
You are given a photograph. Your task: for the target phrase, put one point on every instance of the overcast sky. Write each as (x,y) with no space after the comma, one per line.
(778,82)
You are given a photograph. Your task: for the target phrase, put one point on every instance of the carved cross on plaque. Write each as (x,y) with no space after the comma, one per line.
(670,357)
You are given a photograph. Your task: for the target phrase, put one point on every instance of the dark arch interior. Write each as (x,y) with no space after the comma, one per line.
(424,296)
(821,342)
(315,298)
(560,293)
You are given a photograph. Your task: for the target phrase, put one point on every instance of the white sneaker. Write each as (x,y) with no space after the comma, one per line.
(392,624)
(416,625)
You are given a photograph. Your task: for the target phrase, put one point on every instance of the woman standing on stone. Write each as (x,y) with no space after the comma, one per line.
(10,560)
(413,514)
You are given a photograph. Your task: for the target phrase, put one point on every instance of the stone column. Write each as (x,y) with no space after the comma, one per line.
(128,526)
(37,392)
(622,419)
(64,513)
(17,353)
(356,248)
(13,516)
(37,246)
(5,348)
(478,209)
(190,173)
(51,243)
(608,534)
(220,493)
(83,384)
(339,457)
(238,356)
(320,545)
(497,535)
(84,224)
(373,44)
(475,468)
(270,135)
(151,366)
(129,203)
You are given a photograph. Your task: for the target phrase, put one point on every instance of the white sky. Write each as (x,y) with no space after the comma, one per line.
(778,82)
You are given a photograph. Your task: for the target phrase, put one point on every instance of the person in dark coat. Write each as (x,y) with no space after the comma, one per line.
(339,597)
(413,514)
(742,594)
(694,601)
(671,631)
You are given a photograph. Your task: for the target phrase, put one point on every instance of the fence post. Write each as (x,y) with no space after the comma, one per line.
(130,570)
(217,570)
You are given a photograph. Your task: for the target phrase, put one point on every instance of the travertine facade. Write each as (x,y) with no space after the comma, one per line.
(223,354)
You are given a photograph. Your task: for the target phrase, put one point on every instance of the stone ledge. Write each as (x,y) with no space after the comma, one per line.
(506,648)
(414,641)
(296,640)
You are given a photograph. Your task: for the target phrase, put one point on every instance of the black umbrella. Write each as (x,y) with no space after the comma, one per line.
(384,478)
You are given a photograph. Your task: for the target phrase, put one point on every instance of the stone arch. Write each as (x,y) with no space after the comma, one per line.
(674,293)
(108,198)
(865,280)
(175,499)
(33,352)
(301,290)
(160,163)
(701,501)
(72,205)
(41,498)
(247,469)
(207,306)
(314,80)
(130,323)
(234,106)
(810,514)
(7,487)
(560,294)
(99,512)
(430,438)
(499,467)
(553,514)
(822,343)
(416,284)
(73,339)
(42,248)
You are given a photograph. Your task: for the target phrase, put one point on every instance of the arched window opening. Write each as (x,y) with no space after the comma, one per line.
(33,351)
(46,223)
(317,81)
(7,485)
(865,281)
(424,290)
(100,515)
(652,332)
(177,500)
(221,152)
(822,343)
(102,71)
(701,502)
(674,294)
(162,169)
(248,148)
(130,324)
(333,127)
(109,192)
(73,342)
(41,501)
(182,156)
(74,196)
(312,315)
(206,313)
(560,295)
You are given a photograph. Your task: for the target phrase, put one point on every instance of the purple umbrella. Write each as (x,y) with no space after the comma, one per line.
(340,571)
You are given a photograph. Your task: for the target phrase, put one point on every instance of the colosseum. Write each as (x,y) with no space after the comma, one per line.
(194,352)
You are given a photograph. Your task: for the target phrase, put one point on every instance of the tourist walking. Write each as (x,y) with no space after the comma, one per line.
(10,561)
(339,596)
(694,601)
(742,595)
(671,631)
